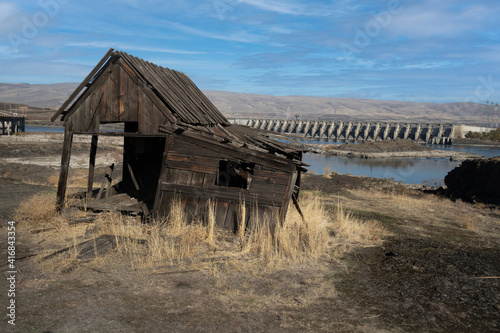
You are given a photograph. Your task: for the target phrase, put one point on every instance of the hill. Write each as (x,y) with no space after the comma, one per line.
(352,109)
(42,95)
(243,105)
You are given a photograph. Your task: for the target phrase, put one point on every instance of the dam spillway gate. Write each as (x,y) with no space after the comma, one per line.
(358,131)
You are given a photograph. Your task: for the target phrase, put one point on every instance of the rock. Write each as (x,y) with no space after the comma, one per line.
(476,180)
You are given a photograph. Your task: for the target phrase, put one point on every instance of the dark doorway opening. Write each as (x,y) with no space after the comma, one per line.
(142,161)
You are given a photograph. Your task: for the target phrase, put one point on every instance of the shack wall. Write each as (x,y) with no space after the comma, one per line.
(191,174)
(118,95)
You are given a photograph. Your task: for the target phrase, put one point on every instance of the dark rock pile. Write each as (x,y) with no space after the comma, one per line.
(476,180)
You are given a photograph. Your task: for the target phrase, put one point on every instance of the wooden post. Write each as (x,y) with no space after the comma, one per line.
(93,151)
(65,158)
(163,174)
(288,195)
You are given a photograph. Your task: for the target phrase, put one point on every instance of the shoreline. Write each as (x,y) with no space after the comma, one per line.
(431,154)
(328,149)
(401,152)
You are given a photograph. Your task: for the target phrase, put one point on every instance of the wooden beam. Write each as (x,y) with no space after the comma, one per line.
(134,180)
(286,198)
(82,85)
(93,151)
(65,159)
(163,174)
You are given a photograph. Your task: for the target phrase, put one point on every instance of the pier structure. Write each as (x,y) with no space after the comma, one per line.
(10,124)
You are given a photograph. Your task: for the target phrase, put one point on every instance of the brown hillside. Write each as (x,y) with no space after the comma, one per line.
(242,105)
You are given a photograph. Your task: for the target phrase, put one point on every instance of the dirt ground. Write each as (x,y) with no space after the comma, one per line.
(436,270)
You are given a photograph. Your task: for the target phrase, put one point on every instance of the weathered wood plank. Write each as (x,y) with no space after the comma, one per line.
(191,207)
(93,151)
(195,159)
(142,67)
(209,180)
(99,83)
(197,179)
(164,174)
(82,85)
(225,193)
(132,176)
(287,195)
(191,167)
(65,159)
(120,92)
(181,177)
(277,190)
(229,222)
(269,178)
(145,122)
(247,155)
(221,209)
(144,91)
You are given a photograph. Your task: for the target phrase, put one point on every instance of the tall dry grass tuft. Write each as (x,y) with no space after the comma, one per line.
(211,223)
(260,238)
(242,223)
(351,232)
(351,228)
(176,218)
(38,211)
(168,241)
(297,239)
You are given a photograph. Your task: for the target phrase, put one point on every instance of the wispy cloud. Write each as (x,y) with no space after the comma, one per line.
(7,9)
(429,19)
(131,47)
(277,6)
(241,36)
(9,18)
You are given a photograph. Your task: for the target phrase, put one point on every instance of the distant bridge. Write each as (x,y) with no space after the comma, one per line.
(358,131)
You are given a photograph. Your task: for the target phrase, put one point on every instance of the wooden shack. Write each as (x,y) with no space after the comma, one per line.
(177,144)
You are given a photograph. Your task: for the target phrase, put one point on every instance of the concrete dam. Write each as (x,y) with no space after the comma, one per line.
(358,131)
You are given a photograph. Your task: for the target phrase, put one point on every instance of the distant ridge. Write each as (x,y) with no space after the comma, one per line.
(243,105)
(42,95)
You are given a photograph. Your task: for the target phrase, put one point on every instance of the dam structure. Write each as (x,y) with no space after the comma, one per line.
(348,131)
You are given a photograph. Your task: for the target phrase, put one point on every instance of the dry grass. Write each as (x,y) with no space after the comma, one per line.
(161,242)
(428,209)
(353,229)
(173,241)
(351,232)
(296,240)
(38,211)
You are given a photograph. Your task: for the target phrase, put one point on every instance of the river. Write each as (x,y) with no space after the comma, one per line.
(406,170)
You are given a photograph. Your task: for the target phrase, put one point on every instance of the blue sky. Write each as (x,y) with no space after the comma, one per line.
(410,50)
